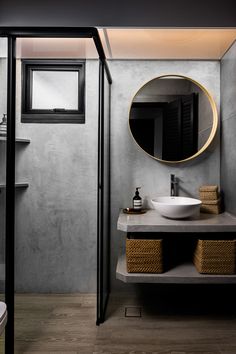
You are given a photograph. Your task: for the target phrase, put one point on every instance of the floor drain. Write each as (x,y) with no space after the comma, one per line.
(133,311)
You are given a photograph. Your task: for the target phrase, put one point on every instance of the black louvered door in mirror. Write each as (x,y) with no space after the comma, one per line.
(189,125)
(171,149)
(180,128)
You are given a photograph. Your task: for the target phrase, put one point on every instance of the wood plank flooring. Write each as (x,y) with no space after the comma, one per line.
(59,324)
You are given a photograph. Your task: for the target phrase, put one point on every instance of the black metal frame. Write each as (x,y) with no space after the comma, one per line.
(30,115)
(10,198)
(54,32)
(102,302)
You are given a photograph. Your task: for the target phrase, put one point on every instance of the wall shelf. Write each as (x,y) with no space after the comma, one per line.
(18,140)
(152,221)
(22,140)
(17,185)
(185,273)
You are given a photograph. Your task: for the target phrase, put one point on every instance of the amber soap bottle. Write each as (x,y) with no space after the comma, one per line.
(137,200)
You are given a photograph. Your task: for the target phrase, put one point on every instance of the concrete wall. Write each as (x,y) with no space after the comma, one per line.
(56,216)
(130,166)
(228,113)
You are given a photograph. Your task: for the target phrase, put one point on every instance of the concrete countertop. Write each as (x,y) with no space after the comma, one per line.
(152,221)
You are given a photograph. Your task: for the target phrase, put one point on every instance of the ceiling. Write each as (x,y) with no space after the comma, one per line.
(167,43)
(67,48)
(136,43)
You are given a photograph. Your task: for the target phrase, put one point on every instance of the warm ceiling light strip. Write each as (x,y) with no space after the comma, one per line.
(177,44)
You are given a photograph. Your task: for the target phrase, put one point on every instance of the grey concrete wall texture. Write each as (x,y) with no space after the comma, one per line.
(130,166)
(56,216)
(228,114)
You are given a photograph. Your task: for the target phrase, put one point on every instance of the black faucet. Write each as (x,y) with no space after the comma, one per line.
(173,185)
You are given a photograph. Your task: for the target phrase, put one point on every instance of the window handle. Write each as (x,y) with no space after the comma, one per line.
(58,110)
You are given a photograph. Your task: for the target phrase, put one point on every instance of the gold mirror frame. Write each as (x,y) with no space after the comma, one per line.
(214,123)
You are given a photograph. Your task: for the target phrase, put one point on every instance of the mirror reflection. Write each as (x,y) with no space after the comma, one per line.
(171,118)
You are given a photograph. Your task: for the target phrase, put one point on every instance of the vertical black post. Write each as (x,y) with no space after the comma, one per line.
(100,196)
(98,205)
(10,196)
(109,187)
(103,203)
(102,314)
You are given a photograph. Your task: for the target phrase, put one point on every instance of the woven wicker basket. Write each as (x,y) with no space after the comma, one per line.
(215,256)
(211,206)
(208,188)
(144,256)
(208,195)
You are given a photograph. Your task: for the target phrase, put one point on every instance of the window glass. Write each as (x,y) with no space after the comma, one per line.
(55,89)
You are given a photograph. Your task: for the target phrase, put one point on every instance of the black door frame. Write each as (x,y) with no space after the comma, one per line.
(11,33)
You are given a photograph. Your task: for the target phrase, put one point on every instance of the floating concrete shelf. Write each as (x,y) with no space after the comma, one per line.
(152,221)
(185,273)
(22,140)
(18,140)
(17,185)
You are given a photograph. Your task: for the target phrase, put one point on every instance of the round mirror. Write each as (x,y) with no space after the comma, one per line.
(173,118)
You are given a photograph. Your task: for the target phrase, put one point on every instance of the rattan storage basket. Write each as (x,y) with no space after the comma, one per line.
(208,195)
(215,256)
(144,256)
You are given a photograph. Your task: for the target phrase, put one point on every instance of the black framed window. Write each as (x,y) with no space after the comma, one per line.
(53,91)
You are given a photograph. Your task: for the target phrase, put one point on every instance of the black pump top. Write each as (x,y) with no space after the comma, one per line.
(137,192)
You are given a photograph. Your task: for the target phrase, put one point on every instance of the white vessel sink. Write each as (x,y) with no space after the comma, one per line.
(177,207)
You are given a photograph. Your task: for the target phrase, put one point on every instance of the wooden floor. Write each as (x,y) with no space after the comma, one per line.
(59,324)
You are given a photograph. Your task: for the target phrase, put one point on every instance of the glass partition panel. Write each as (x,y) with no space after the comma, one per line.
(54,168)
(56,211)
(3,141)
(106,192)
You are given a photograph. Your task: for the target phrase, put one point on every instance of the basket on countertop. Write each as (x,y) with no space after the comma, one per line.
(208,192)
(215,256)
(211,201)
(144,256)
(211,206)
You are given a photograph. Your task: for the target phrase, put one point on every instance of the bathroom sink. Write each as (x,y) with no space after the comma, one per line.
(177,207)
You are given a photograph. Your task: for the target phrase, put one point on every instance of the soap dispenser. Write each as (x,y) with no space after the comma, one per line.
(137,200)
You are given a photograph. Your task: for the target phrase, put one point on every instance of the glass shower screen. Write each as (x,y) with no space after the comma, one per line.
(3,149)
